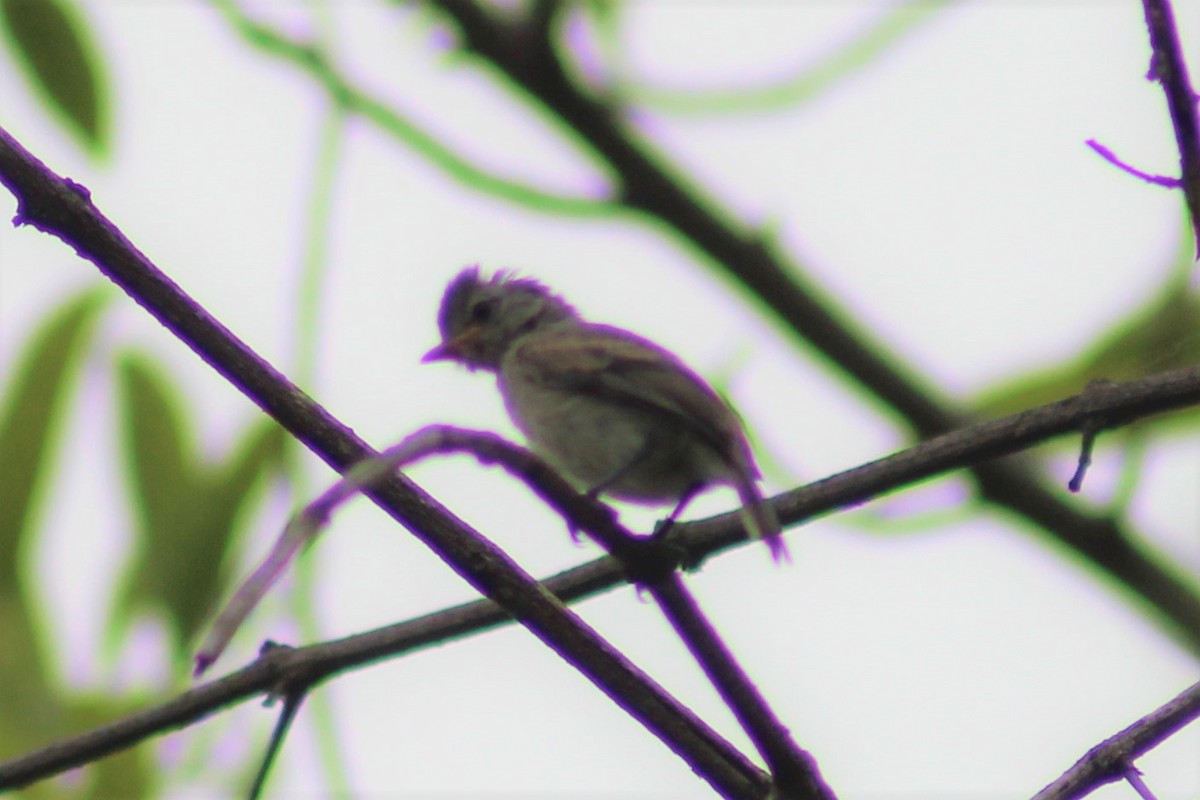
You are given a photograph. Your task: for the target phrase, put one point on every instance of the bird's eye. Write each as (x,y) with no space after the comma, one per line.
(482,311)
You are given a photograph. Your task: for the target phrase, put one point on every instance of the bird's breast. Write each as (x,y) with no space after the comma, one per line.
(592,439)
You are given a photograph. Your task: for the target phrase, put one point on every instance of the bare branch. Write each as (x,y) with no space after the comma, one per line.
(1119,404)
(580,511)
(794,770)
(290,706)
(645,560)
(62,208)
(1169,68)
(1112,760)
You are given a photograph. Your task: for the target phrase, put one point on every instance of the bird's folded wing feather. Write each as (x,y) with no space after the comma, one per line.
(617,365)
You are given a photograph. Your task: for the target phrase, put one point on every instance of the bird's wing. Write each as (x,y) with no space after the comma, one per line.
(620,366)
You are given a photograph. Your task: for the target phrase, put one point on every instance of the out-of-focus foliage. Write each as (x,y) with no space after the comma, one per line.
(186,508)
(34,405)
(1163,334)
(53,45)
(32,710)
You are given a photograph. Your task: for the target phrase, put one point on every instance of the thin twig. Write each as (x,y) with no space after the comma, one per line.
(1091,427)
(1133,777)
(1087,444)
(580,511)
(292,698)
(1111,760)
(1169,68)
(1108,155)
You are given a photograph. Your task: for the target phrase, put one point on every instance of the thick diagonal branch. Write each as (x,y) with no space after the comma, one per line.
(64,209)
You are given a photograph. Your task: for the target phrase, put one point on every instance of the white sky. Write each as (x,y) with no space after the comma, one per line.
(945,195)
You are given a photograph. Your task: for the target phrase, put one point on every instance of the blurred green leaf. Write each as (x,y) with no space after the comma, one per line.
(59,57)
(1162,335)
(186,509)
(33,711)
(160,443)
(31,415)
(31,412)
(29,711)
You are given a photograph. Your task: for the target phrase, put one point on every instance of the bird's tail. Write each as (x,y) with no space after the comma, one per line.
(760,519)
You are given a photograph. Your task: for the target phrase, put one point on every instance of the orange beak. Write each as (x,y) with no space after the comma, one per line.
(454,349)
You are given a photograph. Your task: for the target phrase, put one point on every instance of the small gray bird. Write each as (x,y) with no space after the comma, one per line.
(610,410)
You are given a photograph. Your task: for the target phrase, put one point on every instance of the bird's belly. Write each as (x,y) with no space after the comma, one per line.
(593,441)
